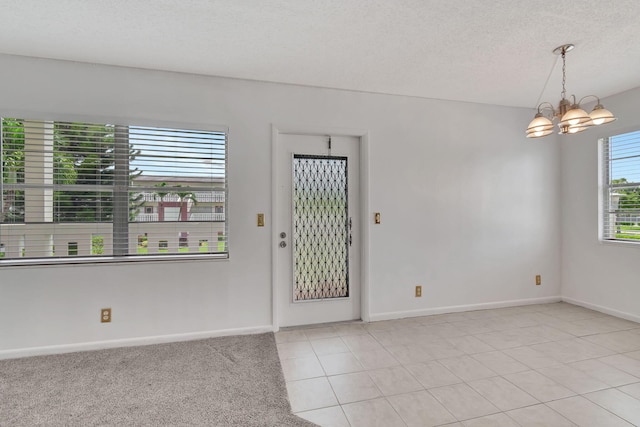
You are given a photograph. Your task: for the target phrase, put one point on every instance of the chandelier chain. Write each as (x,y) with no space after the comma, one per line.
(564,74)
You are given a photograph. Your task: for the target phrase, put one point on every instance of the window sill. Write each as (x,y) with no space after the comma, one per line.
(35,262)
(620,243)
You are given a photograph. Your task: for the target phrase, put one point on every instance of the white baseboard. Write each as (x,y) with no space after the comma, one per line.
(457,308)
(130,342)
(161,339)
(602,309)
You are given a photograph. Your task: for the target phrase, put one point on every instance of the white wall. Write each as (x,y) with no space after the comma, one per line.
(600,275)
(470,207)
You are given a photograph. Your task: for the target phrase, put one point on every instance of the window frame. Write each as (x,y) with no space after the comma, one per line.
(130,257)
(604,188)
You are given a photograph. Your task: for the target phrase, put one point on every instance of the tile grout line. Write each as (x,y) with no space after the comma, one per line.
(606,409)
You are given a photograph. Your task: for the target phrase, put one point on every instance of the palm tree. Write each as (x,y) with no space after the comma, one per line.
(160,195)
(183,197)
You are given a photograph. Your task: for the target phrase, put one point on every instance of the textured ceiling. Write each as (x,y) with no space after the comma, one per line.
(495,52)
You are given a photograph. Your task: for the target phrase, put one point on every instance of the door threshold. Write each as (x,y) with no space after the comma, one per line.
(323,325)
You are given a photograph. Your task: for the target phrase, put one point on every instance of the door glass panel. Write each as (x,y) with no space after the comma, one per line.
(320,228)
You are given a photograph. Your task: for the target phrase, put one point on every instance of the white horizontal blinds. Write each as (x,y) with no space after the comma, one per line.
(608,216)
(621,216)
(82,189)
(121,179)
(178,186)
(56,191)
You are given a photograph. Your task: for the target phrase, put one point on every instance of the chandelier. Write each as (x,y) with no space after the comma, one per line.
(572,118)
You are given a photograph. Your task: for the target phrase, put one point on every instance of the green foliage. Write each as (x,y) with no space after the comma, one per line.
(12,151)
(97,245)
(143,242)
(628,232)
(629,197)
(628,205)
(12,169)
(161,193)
(136,200)
(186,195)
(83,154)
(89,148)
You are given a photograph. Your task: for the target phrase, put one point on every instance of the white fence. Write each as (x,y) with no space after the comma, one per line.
(200,197)
(194,216)
(59,239)
(206,216)
(145,217)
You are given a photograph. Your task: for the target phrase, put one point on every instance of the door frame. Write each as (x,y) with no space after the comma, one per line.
(365,224)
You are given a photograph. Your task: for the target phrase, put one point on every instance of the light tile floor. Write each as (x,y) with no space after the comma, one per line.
(537,365)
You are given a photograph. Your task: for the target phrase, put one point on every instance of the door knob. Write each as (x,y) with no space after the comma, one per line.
(283,235)
(283,244)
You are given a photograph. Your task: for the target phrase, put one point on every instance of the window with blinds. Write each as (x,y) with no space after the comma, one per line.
(86,191)
(620,215)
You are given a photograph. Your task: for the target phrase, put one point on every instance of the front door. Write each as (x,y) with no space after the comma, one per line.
(318,229)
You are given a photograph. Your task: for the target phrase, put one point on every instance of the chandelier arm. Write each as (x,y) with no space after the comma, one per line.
(547,105)
(589,96)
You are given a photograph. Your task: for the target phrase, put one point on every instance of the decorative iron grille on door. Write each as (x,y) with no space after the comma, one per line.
(321,228)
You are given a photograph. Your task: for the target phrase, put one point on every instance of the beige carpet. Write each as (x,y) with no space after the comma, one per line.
(227,381)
